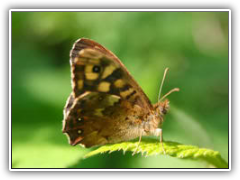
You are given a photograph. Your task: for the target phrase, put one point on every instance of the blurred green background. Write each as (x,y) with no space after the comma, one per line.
(194,45)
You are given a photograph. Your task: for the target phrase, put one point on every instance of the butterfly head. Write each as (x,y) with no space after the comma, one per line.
(160,110)
(162,107)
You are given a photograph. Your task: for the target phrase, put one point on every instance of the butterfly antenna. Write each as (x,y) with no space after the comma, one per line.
(160,90)
(171,91)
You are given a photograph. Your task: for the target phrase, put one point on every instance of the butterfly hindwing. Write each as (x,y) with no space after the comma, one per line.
(99,118)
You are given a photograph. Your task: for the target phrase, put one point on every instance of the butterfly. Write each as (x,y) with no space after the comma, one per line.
(106,104)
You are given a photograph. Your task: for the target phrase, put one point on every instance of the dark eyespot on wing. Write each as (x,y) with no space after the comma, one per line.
(96,69)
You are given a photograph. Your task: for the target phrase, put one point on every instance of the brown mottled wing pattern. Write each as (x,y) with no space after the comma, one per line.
(106,101)
(100,118)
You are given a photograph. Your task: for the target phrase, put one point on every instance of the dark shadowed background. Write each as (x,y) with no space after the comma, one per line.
(194,45)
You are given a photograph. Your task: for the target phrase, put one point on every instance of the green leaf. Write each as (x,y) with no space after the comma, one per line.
(173,149)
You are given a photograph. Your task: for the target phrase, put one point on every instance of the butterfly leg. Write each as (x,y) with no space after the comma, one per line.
(140,138)
(160,134)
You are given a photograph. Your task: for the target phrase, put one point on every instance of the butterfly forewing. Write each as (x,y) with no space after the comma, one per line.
(95,68)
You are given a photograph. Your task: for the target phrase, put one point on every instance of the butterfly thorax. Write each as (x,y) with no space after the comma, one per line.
(156,117)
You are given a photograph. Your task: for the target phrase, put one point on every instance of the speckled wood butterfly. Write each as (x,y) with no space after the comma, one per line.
(106,104)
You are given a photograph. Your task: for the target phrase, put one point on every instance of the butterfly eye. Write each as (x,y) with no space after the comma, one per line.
(96,69)
(163,110)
